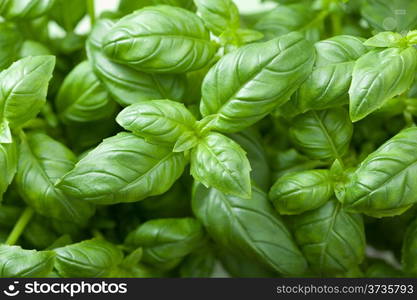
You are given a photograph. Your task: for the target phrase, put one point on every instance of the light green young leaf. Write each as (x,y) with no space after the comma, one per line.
(384,183)
(90,258)
(127,85)
(166,242)
(17,262)
(385,39)
(332,240)
(298,192)
(82,98)
(250,228)
(219,162)
(42,161)
(123,168)
(247,84)
(8,163)
(324,134)
(23,88)
(161,39)
(159,121)
(218,15)
(379,76)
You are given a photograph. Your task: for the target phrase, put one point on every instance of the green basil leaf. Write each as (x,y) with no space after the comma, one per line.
(167,240)
(24,9)
(219,162)
(10,43)
(298,192)
(82,98)
(251,143)
(218,15)
(383,185)
(126,85)
(285,19)
(242,266)
(123,168)
(8,163)
(159,121)
(17,262)
(23,88)
(385,39)
(409,250)
(42,161)
(332,240)
(68,13)
(379,76)
(249,227)
(329,83)
(247,84)
(90,258)
(394,15)
(160,39)
(324,134)
(199,264)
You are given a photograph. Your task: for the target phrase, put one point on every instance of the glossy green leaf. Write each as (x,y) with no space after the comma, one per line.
(160,121)
(332,240)
(219,162)
(82,98)
(329,83)
(247,84)
(18,262)
(24,9)
(123,168)
(379,76)
(218,15)
(8,163)
(383,184)
(160,39)
(167,240)
(324,134)
(249,227)
(298,192)
(126,85)
(42,161)
(23,88)
(90,258)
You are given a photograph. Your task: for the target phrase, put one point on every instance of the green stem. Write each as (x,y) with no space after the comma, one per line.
(20,225)
(91,12)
